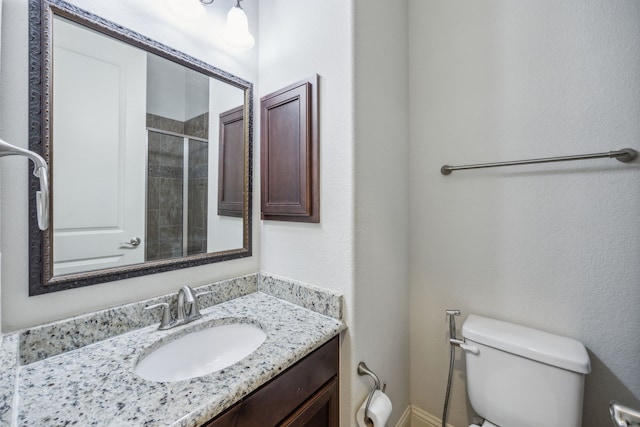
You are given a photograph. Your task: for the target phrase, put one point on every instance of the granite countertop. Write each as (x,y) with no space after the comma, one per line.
(95,384)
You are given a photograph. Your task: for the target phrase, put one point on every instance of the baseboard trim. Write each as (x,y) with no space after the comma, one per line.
(420,418)
(405,419)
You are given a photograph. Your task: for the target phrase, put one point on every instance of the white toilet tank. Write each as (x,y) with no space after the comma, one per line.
(523,377)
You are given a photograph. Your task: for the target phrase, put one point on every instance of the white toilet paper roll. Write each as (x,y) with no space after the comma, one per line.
(379,410)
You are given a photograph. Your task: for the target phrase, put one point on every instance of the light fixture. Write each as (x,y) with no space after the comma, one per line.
(236,34)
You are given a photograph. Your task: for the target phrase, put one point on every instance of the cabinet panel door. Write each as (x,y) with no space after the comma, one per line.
(231,162)
(289,170)
(321,410)
(274,401)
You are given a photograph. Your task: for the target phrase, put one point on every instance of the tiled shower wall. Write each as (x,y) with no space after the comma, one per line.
(198,200)
(165,182)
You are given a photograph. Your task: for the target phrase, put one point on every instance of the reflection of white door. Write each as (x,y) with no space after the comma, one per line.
(99,144)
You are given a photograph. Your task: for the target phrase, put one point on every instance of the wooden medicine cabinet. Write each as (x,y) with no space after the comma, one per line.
(289,153)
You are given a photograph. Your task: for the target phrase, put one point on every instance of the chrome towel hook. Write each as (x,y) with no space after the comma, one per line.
(41,170)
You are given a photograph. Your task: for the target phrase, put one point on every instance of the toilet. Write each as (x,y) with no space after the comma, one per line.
(523,377)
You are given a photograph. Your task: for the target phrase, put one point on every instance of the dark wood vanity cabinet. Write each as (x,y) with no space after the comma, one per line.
(305,395)
(321,410)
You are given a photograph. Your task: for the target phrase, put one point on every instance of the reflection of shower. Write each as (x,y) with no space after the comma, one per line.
(177,187)
(178,133)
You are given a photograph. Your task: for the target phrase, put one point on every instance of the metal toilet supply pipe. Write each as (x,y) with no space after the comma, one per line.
(451,317)
(454,342)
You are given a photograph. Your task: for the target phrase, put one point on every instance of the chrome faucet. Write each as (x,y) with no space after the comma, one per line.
(187,309)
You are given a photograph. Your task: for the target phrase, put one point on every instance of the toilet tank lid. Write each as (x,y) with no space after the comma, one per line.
(544,347)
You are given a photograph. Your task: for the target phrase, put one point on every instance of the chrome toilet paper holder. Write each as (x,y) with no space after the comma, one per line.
(364,370)
(623,416)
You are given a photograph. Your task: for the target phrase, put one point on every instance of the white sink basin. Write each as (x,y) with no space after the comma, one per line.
(201,352)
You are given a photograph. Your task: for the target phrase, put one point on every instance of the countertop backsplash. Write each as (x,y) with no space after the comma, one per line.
(48,340)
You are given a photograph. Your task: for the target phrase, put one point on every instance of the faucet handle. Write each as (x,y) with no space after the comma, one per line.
(201,294)
(195,310)
(166,320)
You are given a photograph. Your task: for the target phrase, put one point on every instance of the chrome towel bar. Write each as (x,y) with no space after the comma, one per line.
(624,155)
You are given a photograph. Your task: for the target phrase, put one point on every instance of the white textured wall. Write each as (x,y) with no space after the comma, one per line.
(364,180)
(199,40)
(554,247)
(381,293)
(298,40)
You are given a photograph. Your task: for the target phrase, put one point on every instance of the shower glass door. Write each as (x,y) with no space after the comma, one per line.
(177,195)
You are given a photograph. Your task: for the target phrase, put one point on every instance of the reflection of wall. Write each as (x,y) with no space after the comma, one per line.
(175,91)
(165,188)
(224,232)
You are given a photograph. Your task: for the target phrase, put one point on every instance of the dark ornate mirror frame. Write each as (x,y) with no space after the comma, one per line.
(41,279)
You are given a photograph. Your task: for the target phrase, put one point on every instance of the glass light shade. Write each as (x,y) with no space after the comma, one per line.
(237,32)
(188,10)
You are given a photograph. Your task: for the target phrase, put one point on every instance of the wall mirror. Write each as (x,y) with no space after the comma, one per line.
(149,152)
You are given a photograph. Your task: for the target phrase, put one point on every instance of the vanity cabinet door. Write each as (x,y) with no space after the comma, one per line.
(306,394)
(321,410)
